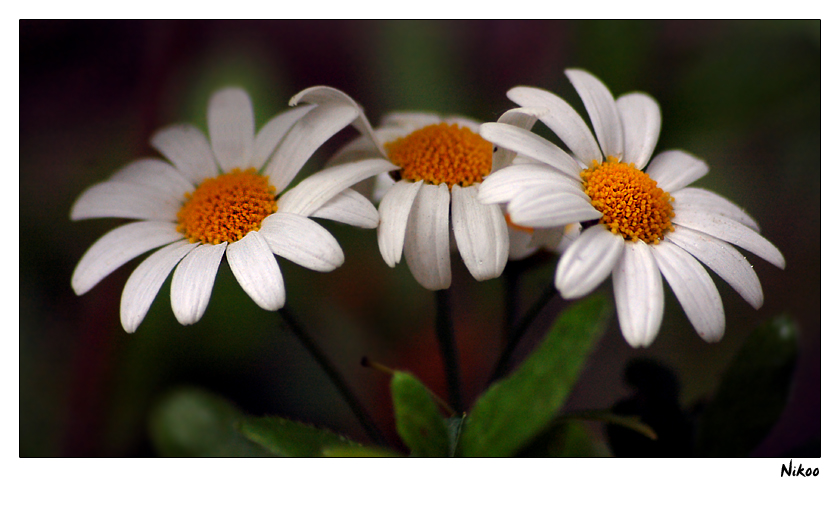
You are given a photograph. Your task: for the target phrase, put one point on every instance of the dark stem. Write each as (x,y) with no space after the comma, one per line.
(519,331)
(448,350)
(331,371)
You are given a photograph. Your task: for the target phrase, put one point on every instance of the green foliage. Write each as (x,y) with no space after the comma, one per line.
(286,438)
(193,422)
(514,410)
(419,422)
(564,439)
(752,393)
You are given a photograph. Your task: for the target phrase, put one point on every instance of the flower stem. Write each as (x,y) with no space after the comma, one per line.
(448,350)
(519,331)
(331,371)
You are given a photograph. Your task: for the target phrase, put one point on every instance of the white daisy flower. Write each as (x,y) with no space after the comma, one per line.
(636,224)
(441,164)
(219,198)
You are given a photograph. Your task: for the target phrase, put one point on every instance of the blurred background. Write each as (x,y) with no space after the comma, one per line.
(744,96)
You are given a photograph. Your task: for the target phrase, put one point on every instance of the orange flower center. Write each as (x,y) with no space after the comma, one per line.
(631,203)
(442,153)
(227,207)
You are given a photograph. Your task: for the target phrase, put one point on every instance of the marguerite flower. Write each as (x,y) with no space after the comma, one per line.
(220,199)
(441,164)
(638,223)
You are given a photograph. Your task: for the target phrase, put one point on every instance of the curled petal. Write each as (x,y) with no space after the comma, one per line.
(480,233)
(525,142)
(427,238)
(639,298)
(522,117)
(588,262)
(273,132)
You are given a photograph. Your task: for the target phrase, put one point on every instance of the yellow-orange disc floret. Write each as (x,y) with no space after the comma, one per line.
(227,207)
(631,203)
(442,153)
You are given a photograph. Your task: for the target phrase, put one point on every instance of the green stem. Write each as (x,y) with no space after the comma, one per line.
(448,349)
(519,331)
(331,371)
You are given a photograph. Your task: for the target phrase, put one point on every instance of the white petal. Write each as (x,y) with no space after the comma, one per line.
(306,136)
(480,233)
(732,231)
(702,200)
(563,120)
(694,289)
(550,206)
(302,241)
(316,190)
(156,174)
(427,238)
(504,184)
(525,142)
(123,200)
(410,120)
(393,219)
(588,262)
(522,117)
(723,259)
(230,120)
(272,132)
(641,121)
(358,149)
(349,207)
(675,169)
(469,123)
(520,244)
(381,185)
(187,148)
(192,282)
(602,110)
(325,95)
(639,298)
(118,247)
(256,270)
(144,283)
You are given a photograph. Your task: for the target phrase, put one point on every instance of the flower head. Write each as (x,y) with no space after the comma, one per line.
(219,198)
(640,219)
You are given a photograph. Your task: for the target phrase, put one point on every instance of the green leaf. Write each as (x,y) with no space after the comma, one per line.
(565,439)
(453,426)
(358,451)
(193,422)
(289,438)
(514,410)
(419,422)
(752,393)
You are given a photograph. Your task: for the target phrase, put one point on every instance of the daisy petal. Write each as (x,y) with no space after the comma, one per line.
(118,247)
(520,244)
(306,136)
(188,150)
(550,206)
(349,207)
(641,121)
(562,119)
(192,282)
(694,289)
(702,200)
(316,190)
(522,117)
(302,241)
(504,184)
(480,233)
(272,132)
(157,174)
(730,230)
(588,262)
(675,169)
(256,270)
(409,120)
(325,95)
(144,283)
(393,219)
(639,298)
(122,200)
(525,142)
(723,259)
(230,120)
(602,110)
(427,238)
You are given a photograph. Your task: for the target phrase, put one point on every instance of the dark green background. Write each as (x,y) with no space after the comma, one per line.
(744,96)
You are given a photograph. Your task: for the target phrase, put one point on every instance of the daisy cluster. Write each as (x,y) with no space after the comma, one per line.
(492,192)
